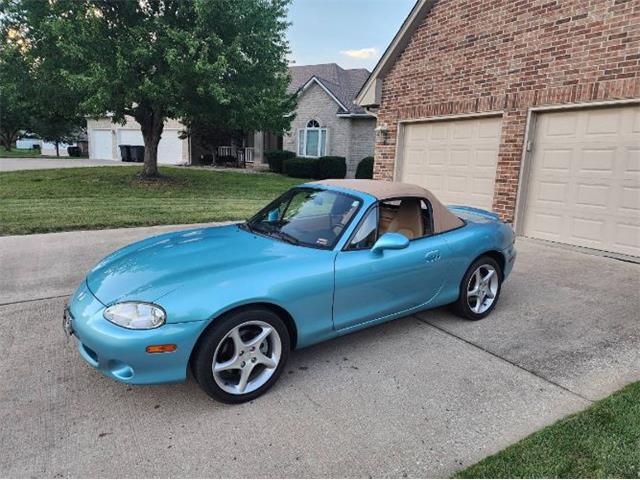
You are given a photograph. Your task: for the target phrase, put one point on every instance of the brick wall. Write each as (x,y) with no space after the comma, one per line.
(510,55)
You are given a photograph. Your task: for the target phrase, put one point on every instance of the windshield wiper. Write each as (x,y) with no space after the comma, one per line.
(285,236)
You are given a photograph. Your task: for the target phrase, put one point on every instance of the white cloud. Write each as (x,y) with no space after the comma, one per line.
(361,53)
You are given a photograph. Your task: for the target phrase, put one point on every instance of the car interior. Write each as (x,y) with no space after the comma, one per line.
(408,216)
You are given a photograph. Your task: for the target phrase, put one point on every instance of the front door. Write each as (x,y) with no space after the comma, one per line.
(369,286)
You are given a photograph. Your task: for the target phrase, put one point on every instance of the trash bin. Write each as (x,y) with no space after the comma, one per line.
(125,153)
(137,153)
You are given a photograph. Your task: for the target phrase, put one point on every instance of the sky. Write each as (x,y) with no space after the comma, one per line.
(351,33)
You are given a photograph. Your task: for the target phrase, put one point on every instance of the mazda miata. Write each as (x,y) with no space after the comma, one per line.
(324,259)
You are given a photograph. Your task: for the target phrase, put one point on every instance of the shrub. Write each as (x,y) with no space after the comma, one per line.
(365,168)
(331,167)
(316,168)
(226,160)
(276,159)
(301,167)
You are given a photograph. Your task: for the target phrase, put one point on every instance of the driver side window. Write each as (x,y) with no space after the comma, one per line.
(367,232)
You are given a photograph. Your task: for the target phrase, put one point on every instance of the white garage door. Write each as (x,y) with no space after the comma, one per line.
(169,148)
(101,145)
(455,159)
(584,180)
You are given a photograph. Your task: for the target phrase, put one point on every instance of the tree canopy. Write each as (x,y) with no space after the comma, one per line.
(222,62)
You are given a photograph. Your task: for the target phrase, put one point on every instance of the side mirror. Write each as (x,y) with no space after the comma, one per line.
(390,241)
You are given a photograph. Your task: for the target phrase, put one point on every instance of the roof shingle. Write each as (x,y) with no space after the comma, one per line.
(343,84)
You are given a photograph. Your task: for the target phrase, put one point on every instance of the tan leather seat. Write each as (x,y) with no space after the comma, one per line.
(408,219)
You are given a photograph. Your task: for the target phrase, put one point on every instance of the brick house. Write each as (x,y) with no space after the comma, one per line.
(327,122)
(529,108)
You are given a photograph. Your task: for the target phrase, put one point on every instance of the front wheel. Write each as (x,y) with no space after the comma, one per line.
(479,290)
(242,356)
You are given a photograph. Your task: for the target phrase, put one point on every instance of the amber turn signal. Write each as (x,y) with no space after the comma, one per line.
(169,347)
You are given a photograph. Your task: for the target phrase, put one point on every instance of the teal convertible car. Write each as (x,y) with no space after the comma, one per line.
(324,259)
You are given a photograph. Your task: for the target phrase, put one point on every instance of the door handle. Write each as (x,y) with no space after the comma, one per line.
(432,256)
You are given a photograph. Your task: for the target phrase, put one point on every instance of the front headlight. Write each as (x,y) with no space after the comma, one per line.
(135,315)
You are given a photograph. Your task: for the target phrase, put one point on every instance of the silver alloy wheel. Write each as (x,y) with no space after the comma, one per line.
(246,357)
(482,288)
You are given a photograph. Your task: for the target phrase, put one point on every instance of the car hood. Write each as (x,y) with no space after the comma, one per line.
(152,268)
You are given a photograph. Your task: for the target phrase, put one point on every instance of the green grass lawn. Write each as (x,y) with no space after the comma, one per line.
(109,197)
(24,153)
(600,442)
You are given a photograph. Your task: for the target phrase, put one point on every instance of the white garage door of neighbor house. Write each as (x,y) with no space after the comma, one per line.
(101,145)
(169,148)
(584,179)
(455,159)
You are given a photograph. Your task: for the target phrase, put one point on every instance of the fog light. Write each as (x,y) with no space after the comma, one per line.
(169,347)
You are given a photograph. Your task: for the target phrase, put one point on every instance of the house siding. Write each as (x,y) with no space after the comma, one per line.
(346,137)
(508,56)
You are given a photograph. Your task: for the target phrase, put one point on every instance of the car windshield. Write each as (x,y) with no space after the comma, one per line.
(306,216)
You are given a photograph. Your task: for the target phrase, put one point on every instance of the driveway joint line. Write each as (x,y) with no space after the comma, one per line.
(35,300)
(520,367)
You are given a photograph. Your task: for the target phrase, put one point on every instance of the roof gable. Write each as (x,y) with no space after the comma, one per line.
(340,84)
(371,91)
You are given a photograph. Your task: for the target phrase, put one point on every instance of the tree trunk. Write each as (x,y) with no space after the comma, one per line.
(151,123)
(8,137)
(57,149)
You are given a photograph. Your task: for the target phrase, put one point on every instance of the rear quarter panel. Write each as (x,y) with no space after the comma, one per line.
(479,236)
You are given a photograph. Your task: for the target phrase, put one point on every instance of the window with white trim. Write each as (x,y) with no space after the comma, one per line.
(312,140)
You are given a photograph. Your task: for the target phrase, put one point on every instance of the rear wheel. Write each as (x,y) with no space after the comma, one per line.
(242,356)
(480,289)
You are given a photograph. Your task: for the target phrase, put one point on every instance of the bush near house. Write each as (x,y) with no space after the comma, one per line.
(316,168)
(276,158)
(365,168)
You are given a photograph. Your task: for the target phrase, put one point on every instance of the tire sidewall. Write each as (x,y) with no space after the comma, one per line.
(462,305)
(203,357)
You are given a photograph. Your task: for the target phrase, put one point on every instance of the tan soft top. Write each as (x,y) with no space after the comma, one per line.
(443,218)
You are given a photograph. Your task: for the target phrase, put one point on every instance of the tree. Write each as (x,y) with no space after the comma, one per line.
(15,93)
(217,61)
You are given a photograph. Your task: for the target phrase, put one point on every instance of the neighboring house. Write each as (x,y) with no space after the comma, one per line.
(327,122)
(105,137)
(527,108)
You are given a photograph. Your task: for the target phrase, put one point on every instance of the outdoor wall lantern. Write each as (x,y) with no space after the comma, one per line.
(382,133)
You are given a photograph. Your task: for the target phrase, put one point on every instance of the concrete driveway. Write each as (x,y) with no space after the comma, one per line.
(14,164)
(420,397)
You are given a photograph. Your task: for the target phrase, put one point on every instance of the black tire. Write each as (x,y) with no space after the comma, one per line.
(461,307)
(202,359)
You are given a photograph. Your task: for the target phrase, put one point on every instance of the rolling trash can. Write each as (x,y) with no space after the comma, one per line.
(125,153)
(137,153)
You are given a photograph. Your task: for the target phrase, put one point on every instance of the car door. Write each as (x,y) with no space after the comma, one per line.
(371,285)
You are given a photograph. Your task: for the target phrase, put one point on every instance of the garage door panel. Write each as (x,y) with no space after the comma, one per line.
(460,159)
(101,144)
(586,193)
(555,161)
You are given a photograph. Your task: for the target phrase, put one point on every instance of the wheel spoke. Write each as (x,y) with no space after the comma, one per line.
(480,300)
(266,361)
(232,364)
(490,294)
(261,337)
(473,293)
(488,276)
(238,344)
(244,377)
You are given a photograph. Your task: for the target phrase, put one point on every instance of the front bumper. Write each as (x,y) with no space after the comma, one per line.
(120,353)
